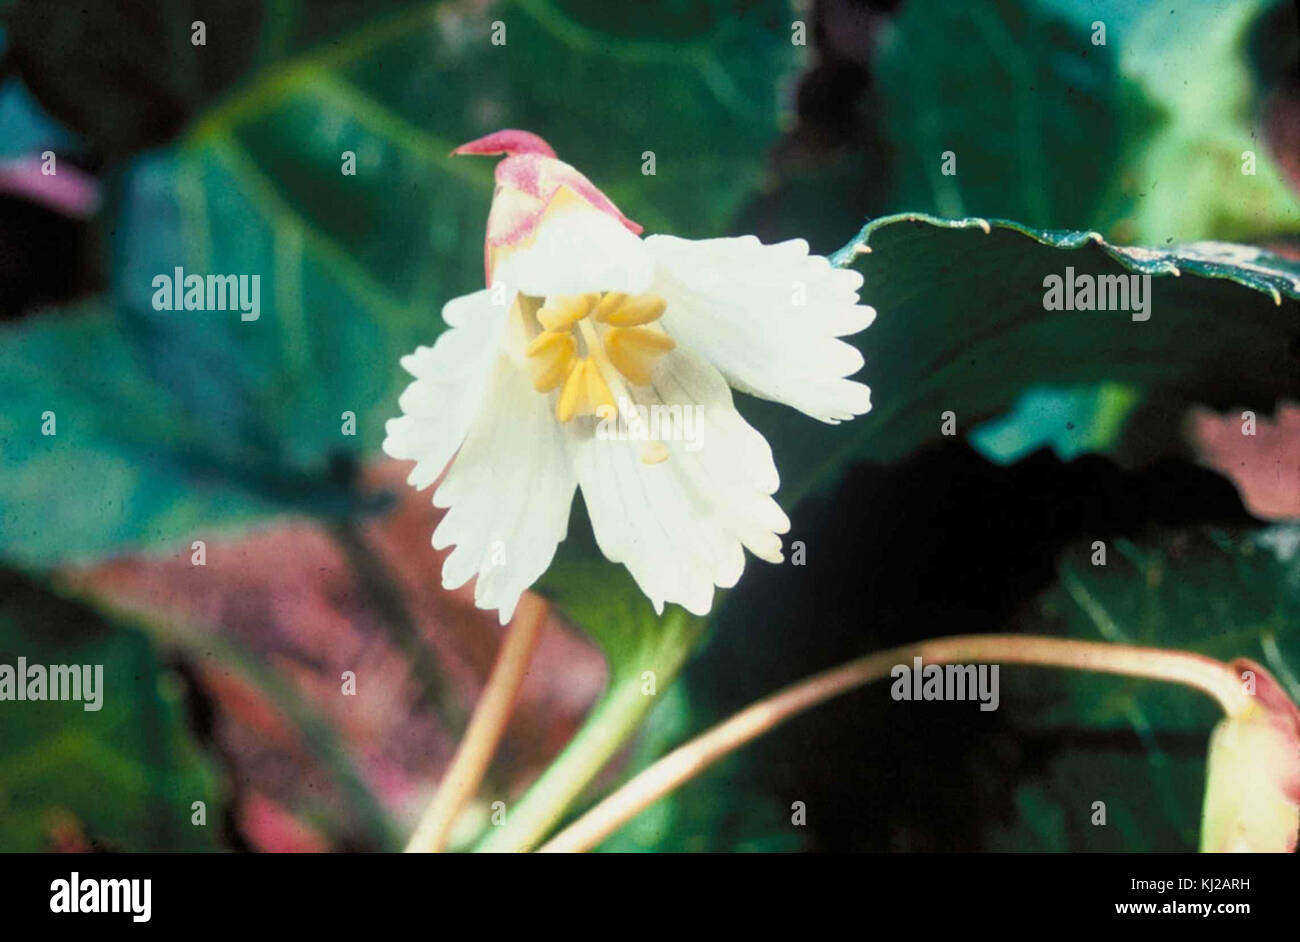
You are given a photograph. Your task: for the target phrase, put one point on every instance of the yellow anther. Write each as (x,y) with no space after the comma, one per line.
(598,394)
(609,302)
(563,313)
(622,310)
(573,393)
(585,391)
(622,349)
(552,355)
(654,453)
(634,350)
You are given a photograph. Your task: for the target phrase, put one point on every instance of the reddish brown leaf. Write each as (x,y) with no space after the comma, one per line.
(287,597)
(1264,466)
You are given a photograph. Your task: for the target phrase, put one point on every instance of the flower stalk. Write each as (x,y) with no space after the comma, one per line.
(1214,678)
(612,723)
(486,726)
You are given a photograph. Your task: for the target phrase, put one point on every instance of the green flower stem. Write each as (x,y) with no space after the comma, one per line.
(608,728)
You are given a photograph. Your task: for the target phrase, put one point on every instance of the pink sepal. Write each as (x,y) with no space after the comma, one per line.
(508,141)
(531,171)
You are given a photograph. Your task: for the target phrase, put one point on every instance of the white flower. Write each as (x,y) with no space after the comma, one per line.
(601,360)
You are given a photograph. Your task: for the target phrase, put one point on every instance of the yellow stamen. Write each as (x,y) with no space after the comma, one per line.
(654,453)
(563,313)
(614,348)
(585,391)
(620,310)
(598,394)
(609,302)
(566,406)
(634,350)
(552,356)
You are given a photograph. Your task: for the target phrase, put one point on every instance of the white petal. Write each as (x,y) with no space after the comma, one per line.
(737,302)
(450,378)
(509,491)
(575,249)
(679,525)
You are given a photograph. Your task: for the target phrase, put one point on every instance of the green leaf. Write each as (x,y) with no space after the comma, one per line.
(1142,138)
(95,458)
(1029,110)
(1151,805)
(1187,163)
(962,328)
(1222,593)
(1071,421)
(130,77)
(125,776)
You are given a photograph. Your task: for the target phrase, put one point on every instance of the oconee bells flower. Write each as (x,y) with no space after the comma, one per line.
(601,360)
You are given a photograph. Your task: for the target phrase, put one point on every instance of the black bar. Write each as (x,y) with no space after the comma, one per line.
(442,894)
